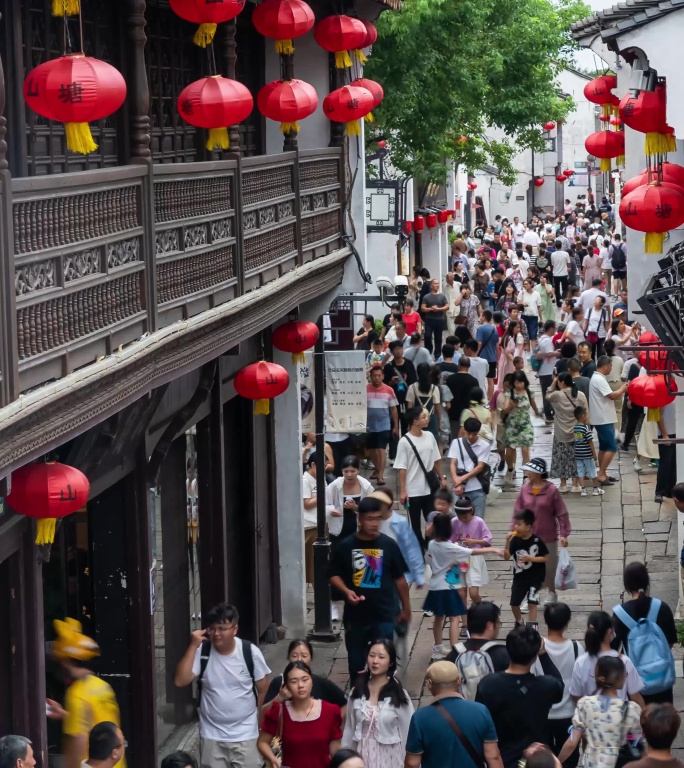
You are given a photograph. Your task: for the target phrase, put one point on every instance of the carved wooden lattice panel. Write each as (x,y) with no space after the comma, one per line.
(266,184)
(320,227)
(176,200)
(43,39)
(269,246)
(183,277)
(318,173)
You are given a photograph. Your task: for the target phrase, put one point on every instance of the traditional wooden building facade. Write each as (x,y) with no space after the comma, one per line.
(134,283)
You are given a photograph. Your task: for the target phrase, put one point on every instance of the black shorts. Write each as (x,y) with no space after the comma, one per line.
(491,373)
(620,274)
(378,440)
(520,591)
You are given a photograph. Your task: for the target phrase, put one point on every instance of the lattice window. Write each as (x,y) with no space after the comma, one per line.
(42,39)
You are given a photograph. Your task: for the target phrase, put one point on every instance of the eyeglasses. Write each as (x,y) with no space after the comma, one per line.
(122,746)
(221,630)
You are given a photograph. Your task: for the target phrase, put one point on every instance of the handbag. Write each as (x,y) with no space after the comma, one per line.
(277,740)
(485,477)
(465,742)
(629,751)
(433,479)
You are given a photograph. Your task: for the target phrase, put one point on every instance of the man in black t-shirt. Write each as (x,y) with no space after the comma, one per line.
(484,623)
(399,374)
(518,701)
(369,569)
(529,555)
(461,385)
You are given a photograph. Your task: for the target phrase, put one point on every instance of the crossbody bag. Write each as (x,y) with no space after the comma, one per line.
(473,754)
(484,477)
(433,480)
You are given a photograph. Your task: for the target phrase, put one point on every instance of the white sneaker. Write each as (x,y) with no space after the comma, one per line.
(575,489)
(637,465)
(551,598)
(509,480)
(524,606)
(439,652)
(563,489)
(428,613)
(584,492)
(598,492)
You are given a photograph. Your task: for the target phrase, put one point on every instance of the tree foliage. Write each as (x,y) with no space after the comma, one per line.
(452,68)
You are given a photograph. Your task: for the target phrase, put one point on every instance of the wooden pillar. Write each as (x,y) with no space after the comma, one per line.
(230,60)
(287,73)
(336,81)
(212,502)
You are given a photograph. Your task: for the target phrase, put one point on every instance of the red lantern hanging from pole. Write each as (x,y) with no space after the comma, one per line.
(568,173)
(47,492)
(208,14)
(214,103)
(431,220)
(296,337)
(598,91)
(561,178)
(283,20)
(419,223)
(348,104)
(287,101)
(605,145)
(472,186)
(408,227)
(538,182)
(75,90)
(646,113)
(260,382)
(371,34)
(654,209)
(653,392)
(442,217)
(669,172)
(549,126)
(339,35)
(376,91)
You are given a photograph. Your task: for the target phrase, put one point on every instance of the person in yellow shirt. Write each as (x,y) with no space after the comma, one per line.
(89,700)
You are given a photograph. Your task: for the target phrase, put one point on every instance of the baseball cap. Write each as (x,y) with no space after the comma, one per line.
(618,311)
(443,672)
(535,465)
(71,643)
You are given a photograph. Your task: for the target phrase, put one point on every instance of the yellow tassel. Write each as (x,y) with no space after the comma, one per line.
(289,128)
(342,60)
(653,242)
(218,139)
(369,118)
(204,35)
(79,139)
(653,414)
(45,530)
(670,142)
(298,358)
(353,128)
(65,7)
(359,55)
(605,164)
(285,47)
(262,407)
(620,160)
(660,144)
(606,110)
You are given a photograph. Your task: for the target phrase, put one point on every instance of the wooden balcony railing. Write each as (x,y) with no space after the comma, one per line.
(102,257)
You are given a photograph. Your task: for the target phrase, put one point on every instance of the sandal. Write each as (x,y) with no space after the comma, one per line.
(381,480)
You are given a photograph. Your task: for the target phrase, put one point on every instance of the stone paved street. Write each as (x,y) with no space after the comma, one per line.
(609,531)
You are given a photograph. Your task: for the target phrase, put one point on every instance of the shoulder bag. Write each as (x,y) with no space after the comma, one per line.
(484,477)
(630,751)
(433,480)
(477,759)
(277,740)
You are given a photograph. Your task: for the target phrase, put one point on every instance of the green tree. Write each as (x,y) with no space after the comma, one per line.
(451,68)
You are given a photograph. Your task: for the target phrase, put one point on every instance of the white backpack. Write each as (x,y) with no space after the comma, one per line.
(473,666)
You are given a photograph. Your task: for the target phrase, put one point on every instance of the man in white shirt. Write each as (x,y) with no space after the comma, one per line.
(603,414)
(587,297)
(479,367)
(413,484)
(465,467)
(574,329)
(106,746)
(531,238)
(547,355)
(560,261)
(234,679)
(452,290)
(518,230)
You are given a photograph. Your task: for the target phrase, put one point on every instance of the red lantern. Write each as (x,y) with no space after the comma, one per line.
(376,91)
(616,121)
(419,223)
(382,144)
(340,34)
(47,492)
(653,392)
(568,172)
(75,90)
(283,20)
(539,182)
(561,178)
(296,337)
(261,381)
(287,101)
(431,220)
(215,103)
(442,217)
(208,14)
(549,126)
(408,227)
(347,105)
(653,360)
(646,113)
(371,34)
(472,186)
(605,145)
(653,209)
(604,118)
(598,91)
(668,172)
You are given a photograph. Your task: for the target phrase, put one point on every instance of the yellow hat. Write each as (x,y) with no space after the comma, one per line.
(443,673)
(71,643)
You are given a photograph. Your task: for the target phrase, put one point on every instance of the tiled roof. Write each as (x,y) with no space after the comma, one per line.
(624,17)
(395,5)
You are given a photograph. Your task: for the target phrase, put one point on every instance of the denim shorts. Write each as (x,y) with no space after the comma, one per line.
(586,468)
(606,437)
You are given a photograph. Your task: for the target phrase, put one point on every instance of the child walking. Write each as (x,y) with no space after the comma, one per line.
(445,559)
(472,532)
(529,555)
(585,452)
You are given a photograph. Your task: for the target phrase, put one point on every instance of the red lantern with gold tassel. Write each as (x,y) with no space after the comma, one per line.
(260,382)
(296,337)
(605,145)
(214,103)
(348,104)
(653,391)
(668,172)
(654,209)
(287,101)
(598,91)
(561,178)
(646,113)
(283,20)
(208,14)
(549,126)
(539,182)
(47,492)
(376,91)
(339,35)
(371,33)
(75,90)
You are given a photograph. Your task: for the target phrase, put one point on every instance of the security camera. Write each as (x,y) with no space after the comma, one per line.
(401,286)
(385,284)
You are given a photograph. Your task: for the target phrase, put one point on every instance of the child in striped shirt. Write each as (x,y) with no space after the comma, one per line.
(585,452)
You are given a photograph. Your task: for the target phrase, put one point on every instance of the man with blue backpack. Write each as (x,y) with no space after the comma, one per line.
(645,628)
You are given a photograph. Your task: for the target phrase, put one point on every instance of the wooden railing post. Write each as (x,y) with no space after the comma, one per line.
(230,59)
(298,212)
(9,386)
(239,229)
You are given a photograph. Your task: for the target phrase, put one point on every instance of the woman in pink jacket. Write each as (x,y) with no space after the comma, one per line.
(552,523)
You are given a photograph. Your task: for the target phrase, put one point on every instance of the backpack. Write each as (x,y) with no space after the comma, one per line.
(473,666)
(618,259)
(648,649)
(204,660)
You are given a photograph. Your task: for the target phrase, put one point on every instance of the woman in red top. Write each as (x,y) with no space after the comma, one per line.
(309,729)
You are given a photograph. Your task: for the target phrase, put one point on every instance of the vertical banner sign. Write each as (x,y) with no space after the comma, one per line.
(345,375)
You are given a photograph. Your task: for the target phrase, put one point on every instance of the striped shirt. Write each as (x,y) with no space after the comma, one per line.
(583,441)
(380,400)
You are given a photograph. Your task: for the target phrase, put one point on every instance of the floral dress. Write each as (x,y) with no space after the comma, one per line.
(518,430)
(469,309)
(548,305)
(605,723)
